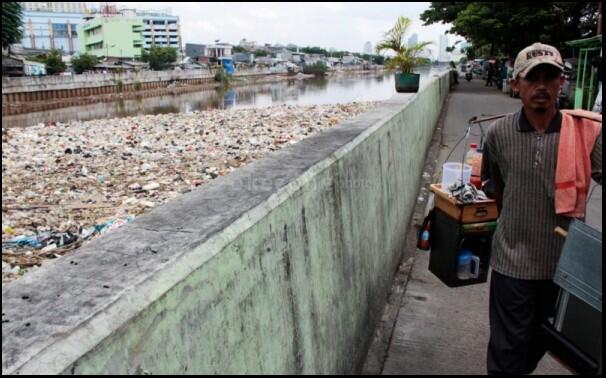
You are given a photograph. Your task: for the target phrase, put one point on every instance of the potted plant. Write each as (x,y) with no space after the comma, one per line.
(406,57)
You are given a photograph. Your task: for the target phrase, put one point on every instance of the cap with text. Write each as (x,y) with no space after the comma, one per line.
(535,54)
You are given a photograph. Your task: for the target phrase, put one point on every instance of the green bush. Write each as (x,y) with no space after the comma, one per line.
(119,86)
(159,57)
(221,76)
(54,63)
(137,85)
(84,62)
(318,69)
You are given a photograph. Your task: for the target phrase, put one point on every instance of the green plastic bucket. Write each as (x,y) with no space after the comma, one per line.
(406,83)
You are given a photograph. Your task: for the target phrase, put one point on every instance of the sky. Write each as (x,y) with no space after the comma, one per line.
(343,26)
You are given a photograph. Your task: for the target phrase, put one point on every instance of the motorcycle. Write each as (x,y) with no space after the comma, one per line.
(468,75)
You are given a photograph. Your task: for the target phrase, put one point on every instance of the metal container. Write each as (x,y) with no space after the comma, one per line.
(575,334)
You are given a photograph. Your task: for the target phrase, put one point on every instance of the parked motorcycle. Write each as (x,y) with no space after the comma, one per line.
(468,75)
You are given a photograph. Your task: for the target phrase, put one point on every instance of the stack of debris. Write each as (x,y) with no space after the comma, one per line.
(66,183)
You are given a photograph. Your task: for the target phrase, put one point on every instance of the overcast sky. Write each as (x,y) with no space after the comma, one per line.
(343,26)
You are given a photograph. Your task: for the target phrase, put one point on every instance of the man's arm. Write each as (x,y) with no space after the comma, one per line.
(596,160)
(492,181)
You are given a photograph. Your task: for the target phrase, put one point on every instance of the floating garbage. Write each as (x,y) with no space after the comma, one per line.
(61,180)
(18,250)
(61,239)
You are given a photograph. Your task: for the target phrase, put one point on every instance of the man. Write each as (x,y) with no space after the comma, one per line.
(519,166)
(489,74)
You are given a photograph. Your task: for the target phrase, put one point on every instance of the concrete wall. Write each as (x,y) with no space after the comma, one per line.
(281,267)
(29,94)
(12,85)
(37,83)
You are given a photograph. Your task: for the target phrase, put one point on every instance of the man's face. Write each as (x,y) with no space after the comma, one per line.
(540,88)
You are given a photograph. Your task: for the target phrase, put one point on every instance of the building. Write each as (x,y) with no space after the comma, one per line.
(12,66)
(244,58)
(52,25)
(117,37)
(194,50)
(160,29)
(334,62)
(55,7)
(443,55)
(297,57)
(413,40)
(248,45)
(350,59)
(33,68)
(314,59)
(368,48)
(219,50)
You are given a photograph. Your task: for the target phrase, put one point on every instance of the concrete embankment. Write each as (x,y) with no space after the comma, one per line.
(34,94)
(281,267)
(30,94)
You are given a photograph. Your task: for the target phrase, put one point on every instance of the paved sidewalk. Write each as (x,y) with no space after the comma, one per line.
(442,330)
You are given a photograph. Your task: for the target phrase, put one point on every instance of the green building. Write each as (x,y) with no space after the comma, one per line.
(116,37)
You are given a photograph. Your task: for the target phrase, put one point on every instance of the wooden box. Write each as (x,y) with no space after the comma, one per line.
(477,212)
(449,238)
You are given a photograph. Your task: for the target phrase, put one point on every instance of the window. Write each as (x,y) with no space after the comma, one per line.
(60,30)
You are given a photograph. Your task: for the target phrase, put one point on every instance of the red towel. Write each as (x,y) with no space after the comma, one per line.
(580,129)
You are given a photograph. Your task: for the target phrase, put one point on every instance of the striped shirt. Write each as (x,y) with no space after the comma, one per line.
(520,164)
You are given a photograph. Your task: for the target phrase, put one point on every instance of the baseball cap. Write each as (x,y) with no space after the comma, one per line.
(533,55)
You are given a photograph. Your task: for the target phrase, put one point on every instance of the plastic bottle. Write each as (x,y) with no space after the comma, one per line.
(474,158)
(471,154)
(423,242)
(468,266)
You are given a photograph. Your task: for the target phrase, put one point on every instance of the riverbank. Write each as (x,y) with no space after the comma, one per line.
(118,89)
(63,184)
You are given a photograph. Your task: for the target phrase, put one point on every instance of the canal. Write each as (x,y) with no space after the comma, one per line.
(373,86)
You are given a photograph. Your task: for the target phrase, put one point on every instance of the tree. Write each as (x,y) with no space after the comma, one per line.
(11,24)
(54,63)
(318,69)
(375,59)
(84,62)
(406,57)
(378,59)
(159,57)
(261,53)
(314,50)
(507,27)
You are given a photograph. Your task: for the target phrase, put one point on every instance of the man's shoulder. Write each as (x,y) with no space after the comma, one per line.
(585,114)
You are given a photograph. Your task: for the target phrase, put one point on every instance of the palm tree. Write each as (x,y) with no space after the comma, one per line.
(406,57)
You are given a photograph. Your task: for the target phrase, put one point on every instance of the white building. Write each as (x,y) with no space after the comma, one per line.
(55,7)
(219,50)
(413,40)
(249,45)
(161,29)
(297,57)
(443,55)
(52,25)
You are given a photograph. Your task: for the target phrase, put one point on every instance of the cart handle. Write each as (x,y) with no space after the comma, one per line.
(560,231)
